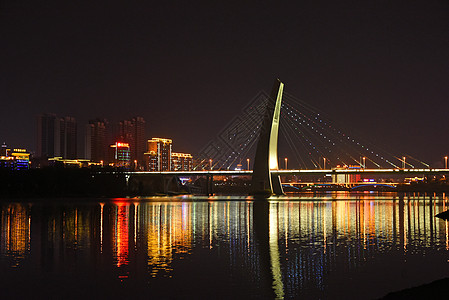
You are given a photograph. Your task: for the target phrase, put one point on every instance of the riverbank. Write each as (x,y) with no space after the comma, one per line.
(433,290)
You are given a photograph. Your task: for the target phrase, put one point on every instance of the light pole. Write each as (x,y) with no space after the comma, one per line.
(403,162)
(210,164)
(286,160)
(445,162)
(247,161)
(324,163)
(364,162)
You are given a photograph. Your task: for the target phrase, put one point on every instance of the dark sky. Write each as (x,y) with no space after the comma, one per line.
(378,67)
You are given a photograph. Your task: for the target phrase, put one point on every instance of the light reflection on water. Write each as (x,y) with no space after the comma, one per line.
(350,245)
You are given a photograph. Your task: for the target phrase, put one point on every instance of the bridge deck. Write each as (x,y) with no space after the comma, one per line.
(295,172)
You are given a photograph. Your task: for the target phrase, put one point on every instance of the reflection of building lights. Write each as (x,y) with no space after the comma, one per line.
(101,226)
(169,230)
(121,234)
(15,232)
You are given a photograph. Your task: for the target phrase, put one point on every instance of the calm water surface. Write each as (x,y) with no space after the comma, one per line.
(338,245)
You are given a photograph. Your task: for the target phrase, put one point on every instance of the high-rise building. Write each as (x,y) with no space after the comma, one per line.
(56,136)
(181,161)
(133,132)
(158,156)
(96,147)
(47,136)
(68,138)
(126,132)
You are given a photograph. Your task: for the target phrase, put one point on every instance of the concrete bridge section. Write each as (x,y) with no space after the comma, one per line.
(295,172)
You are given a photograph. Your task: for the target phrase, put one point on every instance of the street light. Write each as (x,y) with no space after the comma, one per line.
(403,162)
(286,159)
(324,164)
(210,163)
(445,162)
(364,162)
(247,160)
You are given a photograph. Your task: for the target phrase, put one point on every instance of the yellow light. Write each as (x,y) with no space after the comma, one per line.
(169,141)
(175,154)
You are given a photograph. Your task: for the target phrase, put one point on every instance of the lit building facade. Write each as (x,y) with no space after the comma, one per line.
(181,161)
(6,162)
(14,159)
(96,140)
(121,154)
(158,156)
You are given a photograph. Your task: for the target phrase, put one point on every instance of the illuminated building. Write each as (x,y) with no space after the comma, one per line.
(68,138)
(158,156)
(133,132)
(120,154)
(78,163)
(181,161)
(6,162)
(14,159)
(21,159)
(96,137)
(151,161)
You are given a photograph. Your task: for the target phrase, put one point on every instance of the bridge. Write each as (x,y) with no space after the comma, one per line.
(167,180)
(292,172)
(255,134)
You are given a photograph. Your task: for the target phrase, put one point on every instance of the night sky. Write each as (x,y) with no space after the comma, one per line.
(378,68)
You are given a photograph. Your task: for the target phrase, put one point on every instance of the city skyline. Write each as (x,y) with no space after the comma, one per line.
(379,69)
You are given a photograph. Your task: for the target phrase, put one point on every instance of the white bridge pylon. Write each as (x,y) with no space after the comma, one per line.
(264,181)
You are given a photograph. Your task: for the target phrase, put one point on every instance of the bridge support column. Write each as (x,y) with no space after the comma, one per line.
(209,185)
(263,181)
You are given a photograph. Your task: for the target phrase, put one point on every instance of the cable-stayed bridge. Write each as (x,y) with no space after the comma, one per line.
(308,138)
(316,146)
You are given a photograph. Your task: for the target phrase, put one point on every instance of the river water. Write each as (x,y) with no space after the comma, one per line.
(335,245)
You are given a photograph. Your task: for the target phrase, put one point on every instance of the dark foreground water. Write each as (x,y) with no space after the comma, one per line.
(337,245)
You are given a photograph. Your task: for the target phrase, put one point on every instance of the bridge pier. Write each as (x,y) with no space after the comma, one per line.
(209,185)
